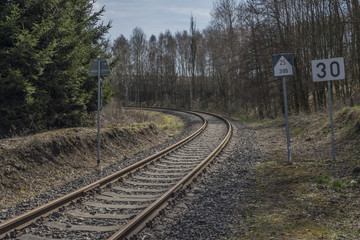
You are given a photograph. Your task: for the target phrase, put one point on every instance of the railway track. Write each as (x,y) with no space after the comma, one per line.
(121,204)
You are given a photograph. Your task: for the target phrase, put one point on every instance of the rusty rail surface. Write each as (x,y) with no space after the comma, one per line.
(137,223)
(46,209)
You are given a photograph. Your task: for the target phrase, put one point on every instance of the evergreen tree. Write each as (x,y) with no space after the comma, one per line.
(47,47)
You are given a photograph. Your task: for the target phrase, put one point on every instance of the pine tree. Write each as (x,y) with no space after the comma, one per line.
(46,50)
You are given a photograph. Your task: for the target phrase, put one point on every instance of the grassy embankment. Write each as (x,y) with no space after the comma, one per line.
(315,197)
(33,164)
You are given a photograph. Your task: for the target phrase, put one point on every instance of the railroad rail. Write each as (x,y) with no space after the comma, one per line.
(120,205)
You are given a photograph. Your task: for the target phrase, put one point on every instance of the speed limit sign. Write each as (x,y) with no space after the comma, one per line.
(328,69)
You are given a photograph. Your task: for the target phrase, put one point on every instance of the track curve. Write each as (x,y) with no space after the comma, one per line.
(118,206)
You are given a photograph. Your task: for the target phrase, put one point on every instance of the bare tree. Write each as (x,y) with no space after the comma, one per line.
(227,67)
(193,49)
(122,70)
(138,48)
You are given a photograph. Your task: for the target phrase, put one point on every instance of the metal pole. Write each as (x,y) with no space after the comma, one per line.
(99,109)
(331,122)
(287,123)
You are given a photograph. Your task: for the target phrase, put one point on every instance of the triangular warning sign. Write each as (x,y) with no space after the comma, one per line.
(283,65)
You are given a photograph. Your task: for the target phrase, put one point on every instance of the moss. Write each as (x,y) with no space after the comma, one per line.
(261,124)
(298,131)
(171,125)
(336,184)
(323,179)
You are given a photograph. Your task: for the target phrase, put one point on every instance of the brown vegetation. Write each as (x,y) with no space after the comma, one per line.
(314,198)
(227,66)
(33,164)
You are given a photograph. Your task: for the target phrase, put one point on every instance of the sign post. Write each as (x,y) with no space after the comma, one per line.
(283,65)
(328,70)
(99,68)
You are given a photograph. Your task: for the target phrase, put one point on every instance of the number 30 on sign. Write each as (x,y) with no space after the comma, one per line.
(328,69)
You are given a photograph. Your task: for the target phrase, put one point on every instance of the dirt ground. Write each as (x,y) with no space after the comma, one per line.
(33,164)
(315,197)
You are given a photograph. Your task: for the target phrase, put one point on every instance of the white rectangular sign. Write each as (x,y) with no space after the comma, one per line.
(328,69)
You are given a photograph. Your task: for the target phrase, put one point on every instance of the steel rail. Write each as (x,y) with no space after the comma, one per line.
(46,209)
(137,223)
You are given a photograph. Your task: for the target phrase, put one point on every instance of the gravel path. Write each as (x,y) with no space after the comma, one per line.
(213,209)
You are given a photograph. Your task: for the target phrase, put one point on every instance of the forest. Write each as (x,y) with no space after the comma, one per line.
(227,67)
(47,47)
(46,50)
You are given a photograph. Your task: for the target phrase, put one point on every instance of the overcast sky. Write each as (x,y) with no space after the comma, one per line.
(154,16)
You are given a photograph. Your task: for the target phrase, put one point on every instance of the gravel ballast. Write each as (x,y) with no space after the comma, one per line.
(192,123)
(212,208)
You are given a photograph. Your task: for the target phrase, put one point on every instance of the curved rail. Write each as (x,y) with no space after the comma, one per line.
(139,221)
(28,217)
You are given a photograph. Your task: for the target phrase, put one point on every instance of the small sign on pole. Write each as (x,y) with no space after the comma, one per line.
(328,70)
(104,68)
(283,66)
(99,68)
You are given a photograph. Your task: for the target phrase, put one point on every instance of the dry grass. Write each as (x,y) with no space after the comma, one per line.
(36,163)
(114,115)
(314,198)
